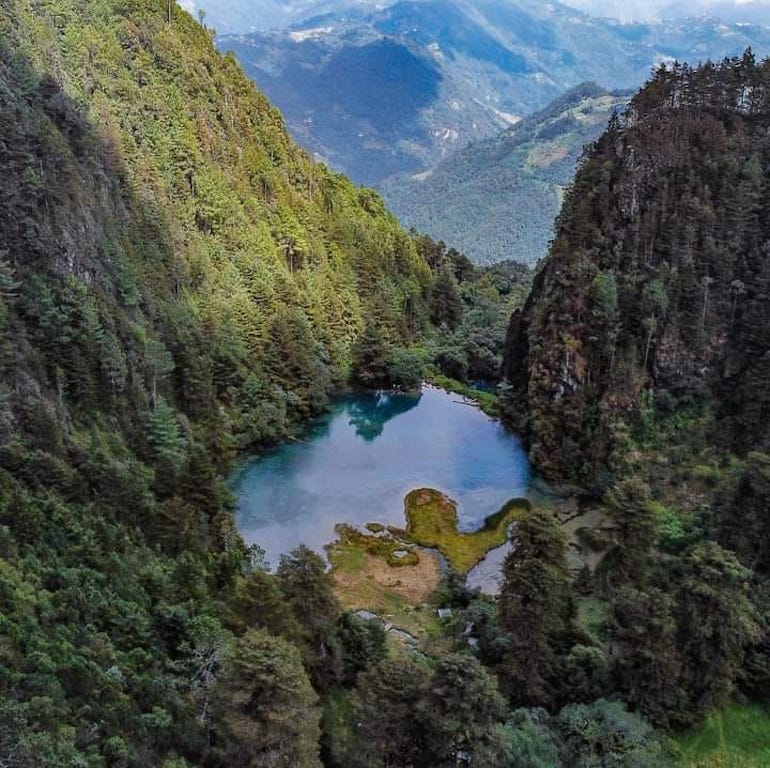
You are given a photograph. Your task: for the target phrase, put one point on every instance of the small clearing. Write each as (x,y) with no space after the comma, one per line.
(401,595)
(736,737)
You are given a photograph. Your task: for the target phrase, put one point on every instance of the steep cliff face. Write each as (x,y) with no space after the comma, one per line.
(655,292)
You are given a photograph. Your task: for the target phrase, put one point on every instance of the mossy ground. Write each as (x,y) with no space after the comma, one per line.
(365,578)
(432,522)
(383,542)
(394,573)
(736,737)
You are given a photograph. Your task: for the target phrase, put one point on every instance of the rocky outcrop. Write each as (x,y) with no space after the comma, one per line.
(655,292)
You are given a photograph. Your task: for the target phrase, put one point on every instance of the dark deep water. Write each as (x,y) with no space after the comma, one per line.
(361,458)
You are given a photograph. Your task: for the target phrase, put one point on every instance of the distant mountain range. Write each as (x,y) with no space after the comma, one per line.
(376,91)
(244,16)
(498,199)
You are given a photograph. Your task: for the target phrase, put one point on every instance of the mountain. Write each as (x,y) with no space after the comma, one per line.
(498,198)
(368,104)
(746,11)
(638,372)
(243,16)
(377,92)
(653,298)
(178,281)
(751,11)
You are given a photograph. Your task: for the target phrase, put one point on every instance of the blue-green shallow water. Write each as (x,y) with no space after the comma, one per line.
(360,460)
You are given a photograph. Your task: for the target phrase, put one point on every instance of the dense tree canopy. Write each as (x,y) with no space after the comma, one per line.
(534,609)
(179,282)
(654,288)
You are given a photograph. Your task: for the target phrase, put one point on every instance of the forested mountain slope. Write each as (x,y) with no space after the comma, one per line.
(498,198)
(177,281)
(654,295)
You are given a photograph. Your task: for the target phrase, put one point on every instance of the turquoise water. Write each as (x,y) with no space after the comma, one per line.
(357,463)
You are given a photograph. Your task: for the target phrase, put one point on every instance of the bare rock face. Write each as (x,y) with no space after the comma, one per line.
(655,292)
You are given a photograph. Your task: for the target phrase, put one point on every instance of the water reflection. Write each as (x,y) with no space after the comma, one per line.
(370,412)
(357,463)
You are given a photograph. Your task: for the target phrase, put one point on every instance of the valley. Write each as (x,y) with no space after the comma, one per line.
(467,199)
(285,485)
(423,101)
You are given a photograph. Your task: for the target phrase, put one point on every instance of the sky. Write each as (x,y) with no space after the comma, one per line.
(756,11)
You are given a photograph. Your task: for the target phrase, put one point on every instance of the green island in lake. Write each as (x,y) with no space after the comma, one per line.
(395,573)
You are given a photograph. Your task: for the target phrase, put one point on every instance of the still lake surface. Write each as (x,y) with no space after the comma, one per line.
(359,460)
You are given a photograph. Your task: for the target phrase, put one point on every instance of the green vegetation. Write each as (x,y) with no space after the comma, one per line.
(622,372)
(534,609)
(403,594)
(633,370)
(485,400)
(593,617)
(377,364)
(498,198)
(610,338)
(396,552)
(431,521)
(179,282)
(738,736)
(470,347)
(267,706)
(461,349)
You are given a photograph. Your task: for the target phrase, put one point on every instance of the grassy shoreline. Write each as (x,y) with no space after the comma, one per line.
(486,401)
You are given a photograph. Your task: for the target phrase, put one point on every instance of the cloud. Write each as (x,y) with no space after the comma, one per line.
(753,11)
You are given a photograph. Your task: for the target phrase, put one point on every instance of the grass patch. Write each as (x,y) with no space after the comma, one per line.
(347,558)
(593,617)
(401,596)
(487,401)
(432,522)
(396,552)
(736,737)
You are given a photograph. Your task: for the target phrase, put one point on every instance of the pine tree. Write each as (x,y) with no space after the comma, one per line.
(534,609)
(308,591)
(371,358)
(267,712)
(629,508)
(745,519)
(446,306)
(386,733)
(648,668)
(716,623)
(165,435)
(461,713)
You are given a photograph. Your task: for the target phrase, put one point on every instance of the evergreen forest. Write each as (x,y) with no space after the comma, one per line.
(181,284)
